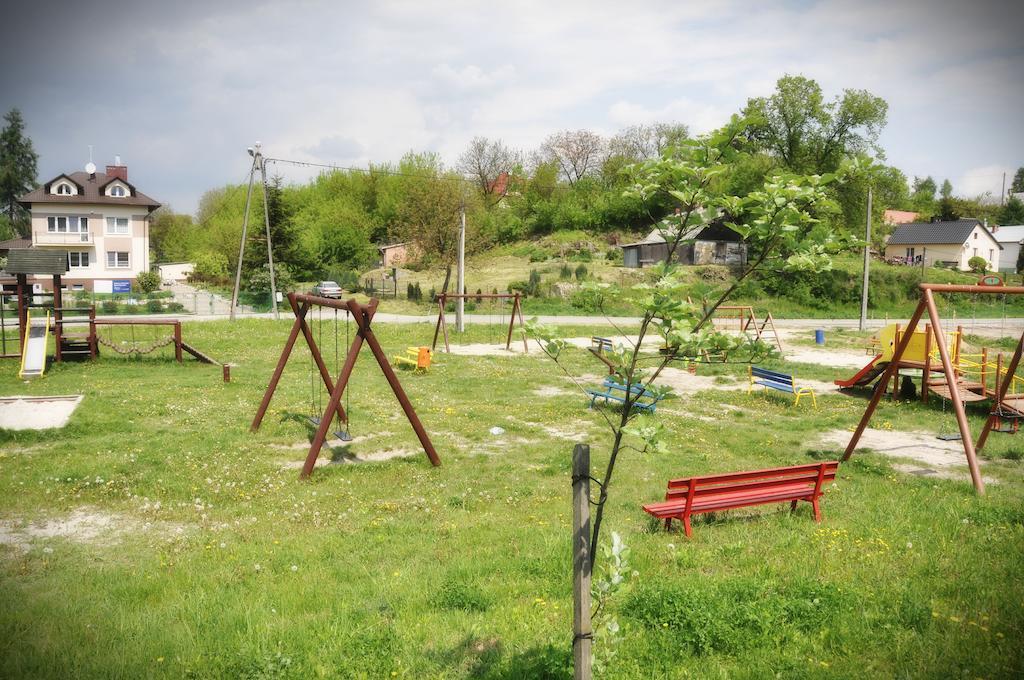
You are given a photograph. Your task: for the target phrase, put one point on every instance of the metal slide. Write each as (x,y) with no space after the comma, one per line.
(33,354)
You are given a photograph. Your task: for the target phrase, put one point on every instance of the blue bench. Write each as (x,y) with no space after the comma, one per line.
(601,344)
(611,388)
(774,380)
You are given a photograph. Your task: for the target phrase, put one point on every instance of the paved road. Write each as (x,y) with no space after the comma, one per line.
(984,325)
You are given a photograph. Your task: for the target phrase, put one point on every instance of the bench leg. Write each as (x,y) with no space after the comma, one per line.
(686,526)
(668,524)
(817,510)
(792,506)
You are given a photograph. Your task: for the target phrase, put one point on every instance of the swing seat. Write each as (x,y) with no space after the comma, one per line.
(416,358)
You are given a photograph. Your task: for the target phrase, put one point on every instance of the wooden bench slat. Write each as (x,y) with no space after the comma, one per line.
(710,493)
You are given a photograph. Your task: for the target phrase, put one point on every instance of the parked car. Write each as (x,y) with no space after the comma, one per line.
(327,289)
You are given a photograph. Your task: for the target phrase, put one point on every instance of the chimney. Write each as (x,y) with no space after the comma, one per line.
(118,170)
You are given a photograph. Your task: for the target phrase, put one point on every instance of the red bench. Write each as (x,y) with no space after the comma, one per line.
(711,493)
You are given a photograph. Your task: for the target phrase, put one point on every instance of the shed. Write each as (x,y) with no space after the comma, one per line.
(713,243)
(943,243)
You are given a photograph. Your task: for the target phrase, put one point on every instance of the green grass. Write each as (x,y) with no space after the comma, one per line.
(397,569)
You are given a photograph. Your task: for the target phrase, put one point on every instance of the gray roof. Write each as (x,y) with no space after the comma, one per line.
(1011,233)
(937,233)
(37,261)
(19,242)
(90,190)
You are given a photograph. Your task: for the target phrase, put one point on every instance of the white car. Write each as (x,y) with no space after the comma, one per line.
(327,289)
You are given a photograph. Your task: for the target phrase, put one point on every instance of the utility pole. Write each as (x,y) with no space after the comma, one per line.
(460,302)
(867,265)
(259,163)
(1002,194)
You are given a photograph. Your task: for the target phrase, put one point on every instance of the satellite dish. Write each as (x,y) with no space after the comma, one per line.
(90,167)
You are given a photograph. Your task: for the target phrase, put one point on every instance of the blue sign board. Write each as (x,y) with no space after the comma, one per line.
(122,286)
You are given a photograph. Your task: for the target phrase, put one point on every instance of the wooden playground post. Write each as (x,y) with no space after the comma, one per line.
(926,373)
(177,341)
(984,365)
(441,326)
(1001,388)
(582,638)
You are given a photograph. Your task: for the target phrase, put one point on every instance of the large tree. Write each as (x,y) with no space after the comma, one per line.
(1012,212)
(17,169)
(485,160)
(646,142)
(1017,186)
(923,196)
(810,135)
(578,153)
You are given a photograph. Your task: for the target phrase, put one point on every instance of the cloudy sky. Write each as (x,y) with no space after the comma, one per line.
(180,89)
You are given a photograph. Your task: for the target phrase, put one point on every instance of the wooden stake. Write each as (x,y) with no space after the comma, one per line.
(582,632)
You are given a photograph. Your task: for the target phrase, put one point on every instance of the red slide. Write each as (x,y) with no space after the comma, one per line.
(865,375)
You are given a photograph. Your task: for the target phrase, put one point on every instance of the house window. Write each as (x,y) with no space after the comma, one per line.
(64,189)
(910,254)
(117,259)
(975,252)
(117,191)
(117,225)
(78,260)
(57,225)
(77,286)
(975,236)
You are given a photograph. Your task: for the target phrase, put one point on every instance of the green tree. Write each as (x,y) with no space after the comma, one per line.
(978,264)
(923,196)
(810,135)
(172,236)
(18,171)
(1012,212)
(946,191)
(1017,186)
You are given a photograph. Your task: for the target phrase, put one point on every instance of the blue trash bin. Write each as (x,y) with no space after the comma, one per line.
(819,337)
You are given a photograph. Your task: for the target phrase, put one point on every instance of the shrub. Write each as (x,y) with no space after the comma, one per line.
(109,307)
(154,306)
(581,272)
(175,307)
(148,281)
(614,255)
(565,272)
(587,300)
(978,264)
(210,267)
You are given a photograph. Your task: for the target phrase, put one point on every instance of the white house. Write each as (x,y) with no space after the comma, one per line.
(940,244)
(1010,238)
(100,220)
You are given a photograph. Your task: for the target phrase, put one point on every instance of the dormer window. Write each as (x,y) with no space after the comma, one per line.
(117,191)
(63,190)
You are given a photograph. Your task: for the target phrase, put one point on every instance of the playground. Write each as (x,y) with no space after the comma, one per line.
(155,535)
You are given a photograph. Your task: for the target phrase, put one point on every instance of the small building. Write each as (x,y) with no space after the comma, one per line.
(714,243)
(394,254)
(175,271)
(943,244)
(1010,238)
(99,221)
(14,244)
(895,217)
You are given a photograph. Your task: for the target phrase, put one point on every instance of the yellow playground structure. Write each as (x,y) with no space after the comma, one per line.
(978,375)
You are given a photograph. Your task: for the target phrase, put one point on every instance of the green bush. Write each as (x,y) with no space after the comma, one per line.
(457,595)
(148,281)
(614,255)
(154,306)
(109,307)
(978,264)
(586,300)
(565,272)
(581,272)
(210,268)
(175,307)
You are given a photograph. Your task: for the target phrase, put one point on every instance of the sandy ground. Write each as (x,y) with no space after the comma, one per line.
(942,459)
(84,525)
(685,383)
(37,413)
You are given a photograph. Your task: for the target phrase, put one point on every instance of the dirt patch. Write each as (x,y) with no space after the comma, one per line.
(341,455)
(828,357)
(685,383)
(85,525)
(551,391)
(929,473)
(480,349)
(330,443)
(924,447)
(37,413)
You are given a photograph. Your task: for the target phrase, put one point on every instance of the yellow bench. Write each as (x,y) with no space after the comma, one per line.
(416,358)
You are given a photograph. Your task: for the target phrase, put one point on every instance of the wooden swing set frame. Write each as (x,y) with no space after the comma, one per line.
(441,327)
(927,303)
(363,316)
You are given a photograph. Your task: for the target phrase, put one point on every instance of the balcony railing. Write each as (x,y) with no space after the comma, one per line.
(50,238)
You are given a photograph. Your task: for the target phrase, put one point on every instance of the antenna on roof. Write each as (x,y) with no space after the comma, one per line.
(90,167)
